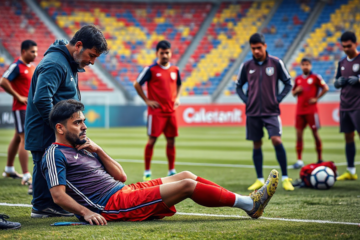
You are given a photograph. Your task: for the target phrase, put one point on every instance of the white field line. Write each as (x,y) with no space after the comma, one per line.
(204,164)
(227,216)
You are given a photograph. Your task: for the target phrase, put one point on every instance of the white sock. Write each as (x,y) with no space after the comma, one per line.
(261,180)
(300,161)
(26,176)
(147,172)
(284,177)
(9,169)
(352,170)
(243,202)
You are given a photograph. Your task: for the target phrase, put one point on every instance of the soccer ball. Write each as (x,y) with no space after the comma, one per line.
(322,178)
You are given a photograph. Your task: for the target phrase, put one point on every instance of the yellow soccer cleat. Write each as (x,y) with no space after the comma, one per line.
(26,182)
(258,184)
(287,185)
(147,177)
(13,175)
(347,176)
(262,196)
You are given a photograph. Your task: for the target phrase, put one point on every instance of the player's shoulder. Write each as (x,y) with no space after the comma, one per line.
(152,66)
(343,60)
(174,67)
(57,151)
(275,59)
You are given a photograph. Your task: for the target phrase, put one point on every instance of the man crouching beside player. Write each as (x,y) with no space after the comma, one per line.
(86,181)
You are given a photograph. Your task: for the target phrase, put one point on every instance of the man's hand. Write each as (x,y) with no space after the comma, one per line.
(89,146)
(353,80)
(313,100)
(23,100)
(152,104)
(340,82)
(94,218)
(298,90)
(177,103)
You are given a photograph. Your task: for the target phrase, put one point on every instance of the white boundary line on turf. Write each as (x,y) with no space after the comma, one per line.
(224,216)
(206,164)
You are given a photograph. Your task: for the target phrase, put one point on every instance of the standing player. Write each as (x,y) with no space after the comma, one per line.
(262,73)
(163,86)
(16,81)
(306,88)
(348,79)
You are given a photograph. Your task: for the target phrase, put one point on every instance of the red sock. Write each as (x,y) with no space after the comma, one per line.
(299,148)
(148,155)
(170,153)
(205,181)
(318,149)
(211,196)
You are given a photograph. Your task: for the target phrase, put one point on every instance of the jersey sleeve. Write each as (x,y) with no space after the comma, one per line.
(242,78)
(338,72)
(178,81)
(54,167)
(295,83)
(320,81)
(12,72)
(144,76)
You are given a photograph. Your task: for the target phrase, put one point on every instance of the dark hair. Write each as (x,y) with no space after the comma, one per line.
(163,45)
(91,36)
(25,45)
(305,60)
(63,110)
(346,36)
(257,38)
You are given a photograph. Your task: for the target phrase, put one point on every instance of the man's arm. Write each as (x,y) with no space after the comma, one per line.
(178,90)
(285,77)
(5,84)
(48,82)
(296,89)
(242,79)
(340,81)
(143,77)
(112,167)
(324,89)
(61,198)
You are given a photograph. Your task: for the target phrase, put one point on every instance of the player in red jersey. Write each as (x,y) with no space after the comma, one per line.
(163,86)
(16,81)
(306,88)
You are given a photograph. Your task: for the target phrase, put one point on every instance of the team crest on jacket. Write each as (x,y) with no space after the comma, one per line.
(173,76)
(270,71)
(355,67)
(309,81)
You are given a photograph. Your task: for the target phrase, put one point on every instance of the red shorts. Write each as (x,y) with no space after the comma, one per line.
(166,124)
(137,202)
(303,119)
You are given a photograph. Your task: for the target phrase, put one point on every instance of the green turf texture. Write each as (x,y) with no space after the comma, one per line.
(223,145)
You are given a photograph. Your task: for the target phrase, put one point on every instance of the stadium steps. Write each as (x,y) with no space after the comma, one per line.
(5,60)
(103,74)
(195,42)
(228,76)
(304,32)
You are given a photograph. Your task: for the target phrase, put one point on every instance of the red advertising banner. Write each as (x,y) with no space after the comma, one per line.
(234,114)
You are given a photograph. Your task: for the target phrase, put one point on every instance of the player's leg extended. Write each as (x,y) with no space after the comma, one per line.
(318,144)
(187,175)
(213,196)
(24,161)
(11,153)
(350,151)
(149,148)
(170,154)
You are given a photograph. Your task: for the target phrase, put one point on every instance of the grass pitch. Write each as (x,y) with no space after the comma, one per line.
(215,145)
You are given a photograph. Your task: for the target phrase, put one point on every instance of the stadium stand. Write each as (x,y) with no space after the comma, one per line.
(132,30)
(281,31)
(222,44)
(323,44)
(19,23)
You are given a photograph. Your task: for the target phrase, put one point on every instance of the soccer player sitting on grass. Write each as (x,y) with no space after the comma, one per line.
(86,181)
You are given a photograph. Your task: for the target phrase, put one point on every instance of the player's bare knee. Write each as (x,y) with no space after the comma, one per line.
(187,175)
(257,144)
(188,186)
(349,137)
(276,140)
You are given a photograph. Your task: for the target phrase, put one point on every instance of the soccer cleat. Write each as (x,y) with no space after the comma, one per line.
(26,182)
(287,185)
(13,175)
(147,177)
(347,176)
(258,184)
(262,196)
(298,165)
(171,172)
(30,189)
(7,225)
(50,212)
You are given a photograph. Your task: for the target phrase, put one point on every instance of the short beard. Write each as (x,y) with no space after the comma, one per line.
(78,59)
(73,139)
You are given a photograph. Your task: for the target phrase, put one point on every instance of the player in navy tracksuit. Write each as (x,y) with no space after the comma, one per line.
(55,79)
(262,73)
